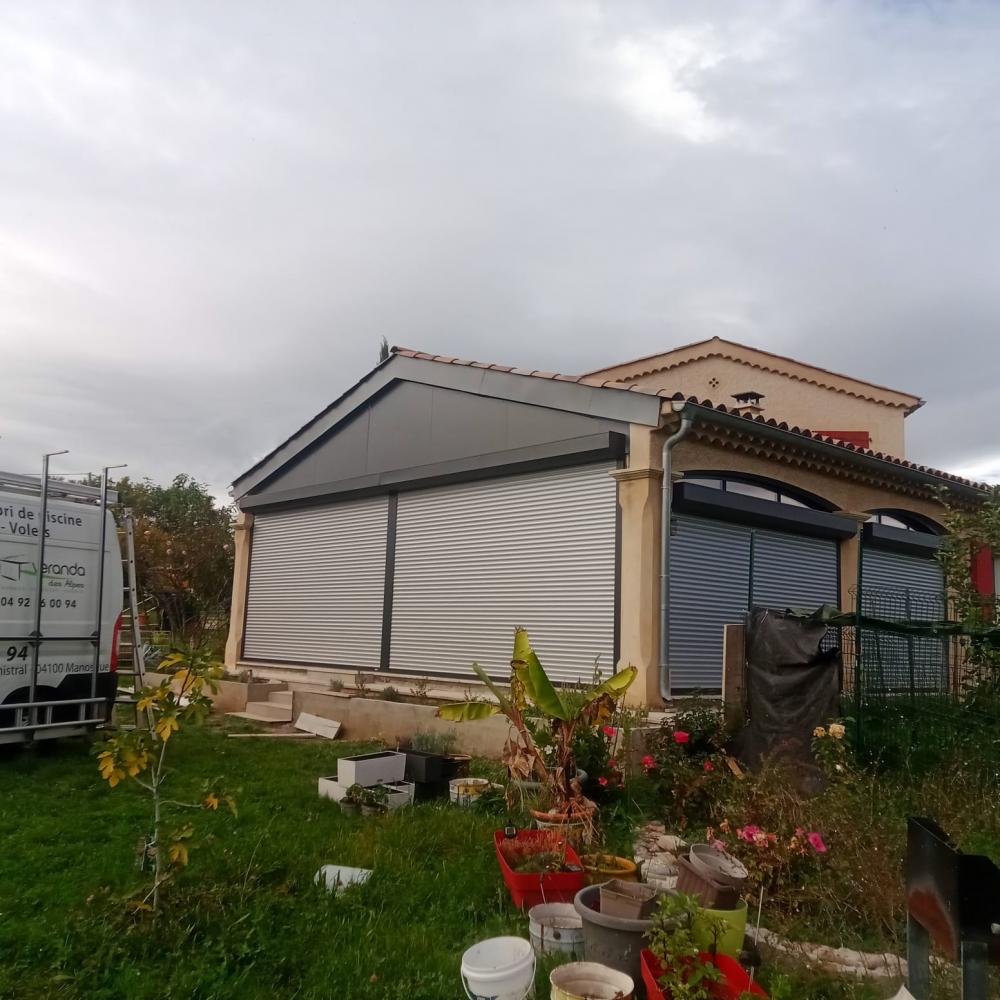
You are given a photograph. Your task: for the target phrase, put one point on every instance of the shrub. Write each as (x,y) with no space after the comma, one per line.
(389,693)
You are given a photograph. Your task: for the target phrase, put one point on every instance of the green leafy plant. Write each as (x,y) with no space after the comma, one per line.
(375,799)
(531,688)
(140,756)
(685,974)
(336,684)
(355,795)
(389,693)
(184,555)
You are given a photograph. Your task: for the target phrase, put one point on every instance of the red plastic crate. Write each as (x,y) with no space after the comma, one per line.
(734,980)
(529,889)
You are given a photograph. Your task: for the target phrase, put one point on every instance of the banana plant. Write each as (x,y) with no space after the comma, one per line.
(531,688)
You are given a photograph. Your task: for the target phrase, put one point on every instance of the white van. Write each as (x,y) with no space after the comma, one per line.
(56,692)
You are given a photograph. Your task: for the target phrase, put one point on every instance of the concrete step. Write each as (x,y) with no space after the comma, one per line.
(281,698)
(267,711)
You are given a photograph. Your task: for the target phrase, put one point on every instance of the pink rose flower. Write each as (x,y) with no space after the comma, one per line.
(816,842)
(708,766)
(718,845)
(748,833)
(610,732)
(648,762)
(681,737)
(602,780)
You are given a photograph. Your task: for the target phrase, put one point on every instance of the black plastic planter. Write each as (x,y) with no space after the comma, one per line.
(456,765)
(424,768)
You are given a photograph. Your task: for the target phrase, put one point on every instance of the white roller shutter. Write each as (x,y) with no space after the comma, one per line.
(316,582)
(475,560)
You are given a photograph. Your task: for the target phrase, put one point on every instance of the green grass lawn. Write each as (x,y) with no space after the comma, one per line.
(244,918)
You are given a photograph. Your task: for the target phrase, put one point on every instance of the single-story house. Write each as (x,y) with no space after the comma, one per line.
(438,503)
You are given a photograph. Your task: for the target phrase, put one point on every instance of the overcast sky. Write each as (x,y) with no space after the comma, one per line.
(211,212)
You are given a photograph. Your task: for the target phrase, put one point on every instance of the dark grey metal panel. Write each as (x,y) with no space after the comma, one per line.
(794,571)
(709,587)
(411,426)
(617,405)
(606,446)
(729,506)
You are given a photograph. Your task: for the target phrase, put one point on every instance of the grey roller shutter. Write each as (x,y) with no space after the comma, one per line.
(316,581)
(709,585)
(908,587)
(475,560)
(794,571)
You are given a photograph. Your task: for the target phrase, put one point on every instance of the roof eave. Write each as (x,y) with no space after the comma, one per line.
(697,411)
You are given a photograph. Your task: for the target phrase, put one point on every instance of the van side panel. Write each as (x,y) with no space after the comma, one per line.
(69,599)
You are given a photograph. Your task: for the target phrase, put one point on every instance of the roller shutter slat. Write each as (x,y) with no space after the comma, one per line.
(315,585)
(477,559)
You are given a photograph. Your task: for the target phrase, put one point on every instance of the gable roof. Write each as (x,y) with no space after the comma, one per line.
(756,357)
(329,417)
(598,397)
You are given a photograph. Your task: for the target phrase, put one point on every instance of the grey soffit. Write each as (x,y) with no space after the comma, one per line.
(623,405)
(553,454)
(726,506)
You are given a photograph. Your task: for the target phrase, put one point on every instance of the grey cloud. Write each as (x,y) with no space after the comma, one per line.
(209,214)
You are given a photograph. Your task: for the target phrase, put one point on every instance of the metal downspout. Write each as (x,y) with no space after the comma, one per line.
(666,505)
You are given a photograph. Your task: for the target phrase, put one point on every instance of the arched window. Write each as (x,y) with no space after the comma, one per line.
(759,487)
(905,520)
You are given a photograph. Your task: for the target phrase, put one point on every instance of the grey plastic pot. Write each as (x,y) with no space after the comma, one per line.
(613,941)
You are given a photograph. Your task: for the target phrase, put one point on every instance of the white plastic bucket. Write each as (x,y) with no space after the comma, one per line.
(465,791)
(501,968)
(556,927)
(590,981)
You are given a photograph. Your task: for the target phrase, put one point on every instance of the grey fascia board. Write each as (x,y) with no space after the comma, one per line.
(598,401)
(591,447)
(881,465)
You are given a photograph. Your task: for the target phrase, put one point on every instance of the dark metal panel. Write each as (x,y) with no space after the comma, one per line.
(915,543)
(725,506)
(390,579)
(553,454)
(709,579)
(616,405)
(410,426)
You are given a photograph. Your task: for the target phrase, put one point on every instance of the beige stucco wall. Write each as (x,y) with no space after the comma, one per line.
(797,402)
(241,571)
